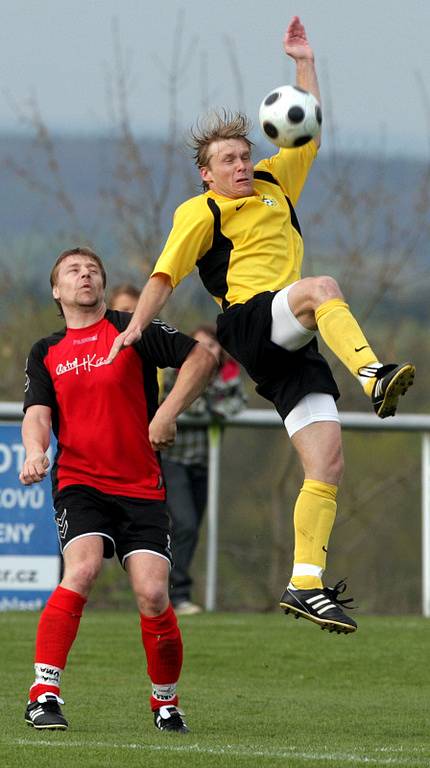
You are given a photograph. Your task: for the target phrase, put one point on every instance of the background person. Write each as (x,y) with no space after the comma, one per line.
(185,465)
(107,484)
(124,297)
(244,237)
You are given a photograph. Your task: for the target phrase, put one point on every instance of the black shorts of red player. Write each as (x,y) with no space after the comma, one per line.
(127,525)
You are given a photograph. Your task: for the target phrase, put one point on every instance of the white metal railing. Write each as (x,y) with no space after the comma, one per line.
(267,418)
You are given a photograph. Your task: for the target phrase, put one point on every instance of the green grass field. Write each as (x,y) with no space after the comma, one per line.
(257,689)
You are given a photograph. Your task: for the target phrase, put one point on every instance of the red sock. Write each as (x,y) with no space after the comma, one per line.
(162,640)
(57,629)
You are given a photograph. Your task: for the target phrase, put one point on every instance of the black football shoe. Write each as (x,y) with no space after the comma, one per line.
(170,718)
(322,606)
(46,713)
(391,382)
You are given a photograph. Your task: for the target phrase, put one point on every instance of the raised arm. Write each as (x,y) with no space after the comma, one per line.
(152,299)
(36,433)
(297,46)
(193,378)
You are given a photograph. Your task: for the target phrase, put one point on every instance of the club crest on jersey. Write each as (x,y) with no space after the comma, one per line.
(268,200)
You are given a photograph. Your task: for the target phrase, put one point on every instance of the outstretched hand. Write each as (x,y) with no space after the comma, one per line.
(296,43)
(124,339)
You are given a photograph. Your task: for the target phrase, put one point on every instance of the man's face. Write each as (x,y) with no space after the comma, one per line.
(229,171)
(79,283)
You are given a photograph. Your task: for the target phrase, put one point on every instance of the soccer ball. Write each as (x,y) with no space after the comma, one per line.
(290,116)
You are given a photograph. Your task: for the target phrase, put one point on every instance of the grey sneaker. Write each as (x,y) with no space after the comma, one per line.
(187,608)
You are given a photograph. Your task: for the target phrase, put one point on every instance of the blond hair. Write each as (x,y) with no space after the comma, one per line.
(218,126)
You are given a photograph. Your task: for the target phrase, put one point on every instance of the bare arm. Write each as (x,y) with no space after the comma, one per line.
(297,46)
(36,433)
(152,299)
(193,378)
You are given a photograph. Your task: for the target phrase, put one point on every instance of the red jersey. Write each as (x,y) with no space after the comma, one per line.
(101,413)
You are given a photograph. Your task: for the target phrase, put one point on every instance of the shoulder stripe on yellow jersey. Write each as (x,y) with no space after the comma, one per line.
(213,265)
(266,176)
(294,219)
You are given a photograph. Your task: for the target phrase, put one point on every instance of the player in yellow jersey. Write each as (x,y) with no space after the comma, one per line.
(243,235)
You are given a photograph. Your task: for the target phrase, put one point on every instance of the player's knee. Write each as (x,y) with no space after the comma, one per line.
(82,575)
(152,597)
(325,288)
(326,465)
(334,465)
(337,468)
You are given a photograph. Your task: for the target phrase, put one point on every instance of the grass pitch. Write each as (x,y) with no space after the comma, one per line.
(258,690)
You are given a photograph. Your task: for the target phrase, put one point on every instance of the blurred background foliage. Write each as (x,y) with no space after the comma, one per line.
(366,221)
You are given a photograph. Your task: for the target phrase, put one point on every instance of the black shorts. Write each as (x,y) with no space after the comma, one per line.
(126,524)
(282,377)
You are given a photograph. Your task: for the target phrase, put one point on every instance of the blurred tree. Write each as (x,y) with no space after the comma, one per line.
(374,254)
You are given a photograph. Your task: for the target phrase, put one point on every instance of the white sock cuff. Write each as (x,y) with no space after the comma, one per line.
(368,369)
(47,674)
(307,569)
(164,692)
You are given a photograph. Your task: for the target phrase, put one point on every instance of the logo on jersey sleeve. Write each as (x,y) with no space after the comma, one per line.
(164,327)
(27,377)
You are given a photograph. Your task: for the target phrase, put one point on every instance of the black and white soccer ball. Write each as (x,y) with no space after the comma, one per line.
(290,116)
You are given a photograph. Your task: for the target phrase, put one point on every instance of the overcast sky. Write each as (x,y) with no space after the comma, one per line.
(371,57)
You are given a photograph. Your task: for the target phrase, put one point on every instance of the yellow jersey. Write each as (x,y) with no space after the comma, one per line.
(247,245)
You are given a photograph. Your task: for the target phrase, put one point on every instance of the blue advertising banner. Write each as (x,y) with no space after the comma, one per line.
(29,551)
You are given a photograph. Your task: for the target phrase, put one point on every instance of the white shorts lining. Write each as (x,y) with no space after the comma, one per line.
(83,535)
(317,406)
(147,551)
(287,331)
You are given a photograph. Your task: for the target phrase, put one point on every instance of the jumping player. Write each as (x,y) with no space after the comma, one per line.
(107,483)
(244,237)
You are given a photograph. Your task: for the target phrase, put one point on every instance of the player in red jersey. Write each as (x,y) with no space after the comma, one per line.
(107,483)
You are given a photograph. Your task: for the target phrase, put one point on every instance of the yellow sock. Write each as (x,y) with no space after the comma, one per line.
(341,332)
(314,515)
